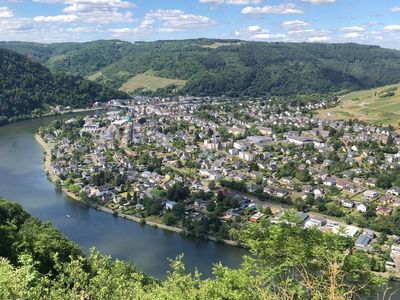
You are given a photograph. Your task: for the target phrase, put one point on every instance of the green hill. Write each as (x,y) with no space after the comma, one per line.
(230,67)
(75,58)
(27,87)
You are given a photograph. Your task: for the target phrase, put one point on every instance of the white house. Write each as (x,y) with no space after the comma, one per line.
(370,194)
(395,191)
(362,207)
(347,203)
(170,204)
(247,156)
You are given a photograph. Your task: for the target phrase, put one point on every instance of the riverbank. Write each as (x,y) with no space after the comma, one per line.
(52,114)
(53,178)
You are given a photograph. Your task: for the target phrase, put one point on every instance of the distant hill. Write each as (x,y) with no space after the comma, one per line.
(27,87)
(75,58)
(217,67)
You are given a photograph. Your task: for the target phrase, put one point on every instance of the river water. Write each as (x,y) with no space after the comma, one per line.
(23,179)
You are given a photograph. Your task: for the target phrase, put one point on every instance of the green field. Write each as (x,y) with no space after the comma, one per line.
(94,76)
(378,106)
(149,81)
(217,45)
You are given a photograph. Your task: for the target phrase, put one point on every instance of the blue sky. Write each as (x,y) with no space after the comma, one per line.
(361,21)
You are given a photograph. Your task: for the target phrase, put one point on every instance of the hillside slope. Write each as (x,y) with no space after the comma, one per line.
(230,67)
(379,106)
(26,86)
(75,58)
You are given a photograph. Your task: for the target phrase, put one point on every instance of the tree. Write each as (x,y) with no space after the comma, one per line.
(84,196)
(286,262)
(211,184)
(58,185)
(178,191)
(384,181)
(178,209)
(303,175)
(169,218)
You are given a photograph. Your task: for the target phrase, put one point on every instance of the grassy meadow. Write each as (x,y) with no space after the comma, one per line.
(378,106)
(150,81)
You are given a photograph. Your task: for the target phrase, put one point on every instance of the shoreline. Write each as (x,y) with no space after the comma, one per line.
(52,177)
(52,114)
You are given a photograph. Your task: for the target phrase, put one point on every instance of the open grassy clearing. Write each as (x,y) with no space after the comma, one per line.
(378,106)
(217,45)
(94,76)
(150,81)
(57,58)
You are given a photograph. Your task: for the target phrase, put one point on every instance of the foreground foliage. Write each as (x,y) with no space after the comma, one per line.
(287,262)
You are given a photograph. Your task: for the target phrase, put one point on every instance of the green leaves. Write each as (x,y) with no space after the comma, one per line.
(286,262)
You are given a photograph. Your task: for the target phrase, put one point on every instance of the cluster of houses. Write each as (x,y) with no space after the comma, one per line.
(255,143)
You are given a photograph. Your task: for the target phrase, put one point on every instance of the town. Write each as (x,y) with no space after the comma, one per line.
(209,165)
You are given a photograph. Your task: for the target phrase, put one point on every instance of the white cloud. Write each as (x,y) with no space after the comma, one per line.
(294,24)
(12,25)
(56,19)
(319,1)
(168,21)
(231,2)
(392,28)
(309,35)
(318,39)
(5,12)
(254,28)
(269,36)
(176,20)
(95,11)
(353,29)
(308,32)
(48,1)
(395,9)
(352,35)
(87,6)
(256,32)
(281,9)
(83,29)
(121,30)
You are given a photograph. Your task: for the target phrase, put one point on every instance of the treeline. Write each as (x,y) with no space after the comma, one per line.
(230,68)
(28,88)
(287,262)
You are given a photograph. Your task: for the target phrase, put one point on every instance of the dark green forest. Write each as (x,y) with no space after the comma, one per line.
(286,262)
(234,68)
(27,88)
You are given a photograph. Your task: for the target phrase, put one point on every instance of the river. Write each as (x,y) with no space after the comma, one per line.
(23,179)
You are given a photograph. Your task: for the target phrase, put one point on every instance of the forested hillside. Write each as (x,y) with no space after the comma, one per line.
(75,58)
(26,88)
(231,67)
(287,262)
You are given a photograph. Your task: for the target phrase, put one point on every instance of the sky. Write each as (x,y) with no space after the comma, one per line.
(375,22)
